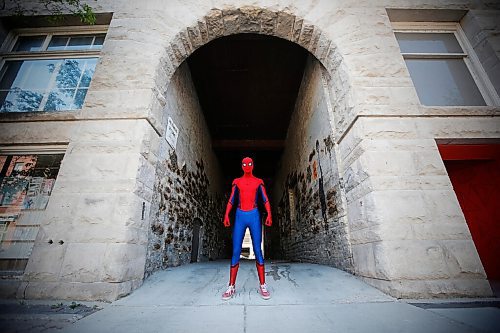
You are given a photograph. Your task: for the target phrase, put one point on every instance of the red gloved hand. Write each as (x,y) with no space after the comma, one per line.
(269,221)
(227,223)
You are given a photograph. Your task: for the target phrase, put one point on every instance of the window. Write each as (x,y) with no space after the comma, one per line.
(48,71)
(27,178)
(442,66)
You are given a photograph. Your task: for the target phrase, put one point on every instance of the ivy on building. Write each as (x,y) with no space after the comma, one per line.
(58,10)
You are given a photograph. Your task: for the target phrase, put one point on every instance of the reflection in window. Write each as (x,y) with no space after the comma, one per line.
(55,75)
(438,69)
(26,183)
(48,85)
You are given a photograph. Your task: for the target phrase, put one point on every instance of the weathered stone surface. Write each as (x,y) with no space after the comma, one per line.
(232,20)
(445,288)
(268,22)
(83,262)
(94,291)
(308,195)
(195,37)
(182,189)
(250,18)
(306,35)
(215,24)
(297,29)
(284,25)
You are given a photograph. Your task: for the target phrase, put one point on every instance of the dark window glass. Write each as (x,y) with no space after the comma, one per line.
(99,40)
(428,42)
(28,43)
(71,42)
(58,43)
(80,42)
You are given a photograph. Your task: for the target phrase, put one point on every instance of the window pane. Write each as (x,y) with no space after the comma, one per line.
(80,98)
(60,99)
(58,43)
(444,82)
(29,43)
(74,42)
(80,42)
(29,74)
(24,84)
(10,71)
(19,100)
(69,74)
(428,43)
(76,72)
(26,184)
(99,40)
(88,72)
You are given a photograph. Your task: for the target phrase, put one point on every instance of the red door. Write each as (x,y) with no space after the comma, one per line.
(474,171)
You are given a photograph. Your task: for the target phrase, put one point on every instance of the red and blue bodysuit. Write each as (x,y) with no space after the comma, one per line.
(245,195)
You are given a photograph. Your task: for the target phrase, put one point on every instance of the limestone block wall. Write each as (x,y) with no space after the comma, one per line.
(187,184)
(95,210)
(310,210)
(408,233)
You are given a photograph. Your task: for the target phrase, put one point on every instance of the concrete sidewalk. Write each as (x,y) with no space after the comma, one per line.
(305,298)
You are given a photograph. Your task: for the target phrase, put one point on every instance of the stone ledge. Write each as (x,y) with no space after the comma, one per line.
(446,288)
(95,291)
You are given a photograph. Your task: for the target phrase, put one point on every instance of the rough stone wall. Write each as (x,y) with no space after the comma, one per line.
(187,184)
(310,211)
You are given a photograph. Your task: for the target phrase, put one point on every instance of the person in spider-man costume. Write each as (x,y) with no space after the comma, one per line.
(245,193)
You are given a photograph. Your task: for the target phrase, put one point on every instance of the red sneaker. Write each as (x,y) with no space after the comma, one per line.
(229,292)
(264,293)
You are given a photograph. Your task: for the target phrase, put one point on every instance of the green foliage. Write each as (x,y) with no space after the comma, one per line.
(58,9)
(74,305)
(57,306)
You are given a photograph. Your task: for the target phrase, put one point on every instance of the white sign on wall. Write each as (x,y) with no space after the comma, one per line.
(172,133)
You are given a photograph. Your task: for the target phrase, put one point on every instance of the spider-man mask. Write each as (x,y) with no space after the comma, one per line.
(247,165)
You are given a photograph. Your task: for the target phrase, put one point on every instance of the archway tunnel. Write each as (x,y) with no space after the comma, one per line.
(266,98)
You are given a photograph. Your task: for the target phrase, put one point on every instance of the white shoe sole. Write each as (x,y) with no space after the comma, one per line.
(264,297)
(227,298)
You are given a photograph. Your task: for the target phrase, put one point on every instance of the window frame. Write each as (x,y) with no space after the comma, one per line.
(10,41)
(469,57)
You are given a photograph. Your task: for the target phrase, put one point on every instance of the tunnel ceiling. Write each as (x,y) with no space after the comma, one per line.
(247,85)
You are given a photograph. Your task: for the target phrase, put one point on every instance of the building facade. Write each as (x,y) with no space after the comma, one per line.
(388,166)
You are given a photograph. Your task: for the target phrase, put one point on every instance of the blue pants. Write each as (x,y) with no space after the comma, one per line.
(244,219)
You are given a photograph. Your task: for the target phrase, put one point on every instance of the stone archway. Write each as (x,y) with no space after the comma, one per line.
(251,19)
(219,23)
